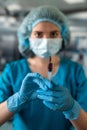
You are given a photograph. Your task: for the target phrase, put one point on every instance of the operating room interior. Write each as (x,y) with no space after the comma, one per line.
(12,14)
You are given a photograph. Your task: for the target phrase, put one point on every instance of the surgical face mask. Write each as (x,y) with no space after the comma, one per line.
(45,47)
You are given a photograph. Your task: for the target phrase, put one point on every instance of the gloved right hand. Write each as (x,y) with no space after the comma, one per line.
(26,93)
(58,98)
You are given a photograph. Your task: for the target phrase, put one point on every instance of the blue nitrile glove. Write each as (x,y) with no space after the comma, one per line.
(60,99)
(27,92)
(43,83)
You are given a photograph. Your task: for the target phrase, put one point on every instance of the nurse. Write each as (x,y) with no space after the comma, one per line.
(43,91)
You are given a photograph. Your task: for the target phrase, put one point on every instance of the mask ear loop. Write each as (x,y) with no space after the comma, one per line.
(50,68)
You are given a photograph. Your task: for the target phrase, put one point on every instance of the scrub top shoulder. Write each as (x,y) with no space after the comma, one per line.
(11,77)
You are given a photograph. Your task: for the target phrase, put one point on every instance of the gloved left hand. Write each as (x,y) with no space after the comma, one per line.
(60,99)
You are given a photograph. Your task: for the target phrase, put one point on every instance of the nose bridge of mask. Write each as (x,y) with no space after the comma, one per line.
(38,46)
(43,44)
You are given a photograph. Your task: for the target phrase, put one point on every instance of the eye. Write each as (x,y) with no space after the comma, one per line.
(38,34)
(55,34)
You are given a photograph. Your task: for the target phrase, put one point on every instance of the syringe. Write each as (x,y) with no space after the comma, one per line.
(50,68)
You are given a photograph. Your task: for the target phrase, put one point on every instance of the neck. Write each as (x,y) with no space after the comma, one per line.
(44,61)
(40,65)
(37,61)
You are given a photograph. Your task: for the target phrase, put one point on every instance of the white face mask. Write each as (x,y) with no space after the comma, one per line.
(45,47)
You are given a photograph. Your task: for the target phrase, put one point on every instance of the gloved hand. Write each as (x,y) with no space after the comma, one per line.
(57,98)
(60,99)
(27,92)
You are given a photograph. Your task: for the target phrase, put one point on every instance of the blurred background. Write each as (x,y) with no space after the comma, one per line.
(12,14)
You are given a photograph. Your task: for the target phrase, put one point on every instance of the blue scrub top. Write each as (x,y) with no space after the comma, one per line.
(35,115)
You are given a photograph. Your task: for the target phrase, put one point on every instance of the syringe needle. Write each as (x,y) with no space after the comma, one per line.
(50,68)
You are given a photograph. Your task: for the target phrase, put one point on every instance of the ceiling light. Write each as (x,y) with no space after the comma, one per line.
(74,1)
(12,7)
(79,16)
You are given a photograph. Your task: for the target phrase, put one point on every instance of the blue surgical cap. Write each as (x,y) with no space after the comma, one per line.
(37,15)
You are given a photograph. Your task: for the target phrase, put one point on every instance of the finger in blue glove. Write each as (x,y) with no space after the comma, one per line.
(50,105)
(59,95)
(43,83)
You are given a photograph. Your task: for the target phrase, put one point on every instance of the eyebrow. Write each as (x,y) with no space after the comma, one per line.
(55,31)
(43,32)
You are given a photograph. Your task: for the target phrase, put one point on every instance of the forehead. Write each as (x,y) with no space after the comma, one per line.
(45,26)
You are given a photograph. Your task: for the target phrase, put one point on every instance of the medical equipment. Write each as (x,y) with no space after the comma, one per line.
(50,68)
(45,47)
